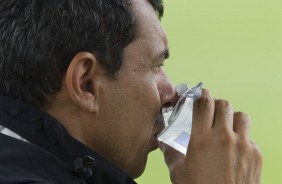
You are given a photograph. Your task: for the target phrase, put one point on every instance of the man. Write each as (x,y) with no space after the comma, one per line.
(82,89)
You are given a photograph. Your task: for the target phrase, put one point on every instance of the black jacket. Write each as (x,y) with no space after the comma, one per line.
(52,155)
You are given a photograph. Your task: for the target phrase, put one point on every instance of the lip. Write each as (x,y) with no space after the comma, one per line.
(160,126)
(155,144)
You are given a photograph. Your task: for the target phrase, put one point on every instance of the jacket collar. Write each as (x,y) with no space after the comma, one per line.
(42,130)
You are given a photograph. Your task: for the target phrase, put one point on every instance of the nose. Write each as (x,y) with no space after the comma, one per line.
(168,93)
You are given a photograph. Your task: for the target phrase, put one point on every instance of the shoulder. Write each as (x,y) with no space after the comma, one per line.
(22,162)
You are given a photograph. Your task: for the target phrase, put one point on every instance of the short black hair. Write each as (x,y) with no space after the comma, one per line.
(38,39)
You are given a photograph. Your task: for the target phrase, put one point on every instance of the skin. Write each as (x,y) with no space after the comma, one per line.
(119,117)
(219,150)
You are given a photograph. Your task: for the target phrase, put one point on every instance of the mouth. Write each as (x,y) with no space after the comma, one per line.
(155,143)
(160,125)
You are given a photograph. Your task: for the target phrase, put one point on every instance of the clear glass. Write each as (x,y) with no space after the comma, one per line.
(178,119)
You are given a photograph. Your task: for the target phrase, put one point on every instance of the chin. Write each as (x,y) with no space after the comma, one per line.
(138,169)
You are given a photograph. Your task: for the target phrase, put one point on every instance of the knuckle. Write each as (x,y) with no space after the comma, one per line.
(248,148)
(222,103)
(206,100)
(242,117)
(257,155)
(205,92)
(175,171)
(241,114)
(243,146)
(198,144)
(226,139)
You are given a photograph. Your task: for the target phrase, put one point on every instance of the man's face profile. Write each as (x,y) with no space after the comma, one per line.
(130,106)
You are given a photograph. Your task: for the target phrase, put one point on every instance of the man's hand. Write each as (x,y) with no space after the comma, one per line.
(219,151)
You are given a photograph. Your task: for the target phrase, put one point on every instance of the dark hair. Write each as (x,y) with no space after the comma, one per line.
(38,39)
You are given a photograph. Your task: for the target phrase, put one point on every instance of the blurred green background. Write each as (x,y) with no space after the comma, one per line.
(235,49)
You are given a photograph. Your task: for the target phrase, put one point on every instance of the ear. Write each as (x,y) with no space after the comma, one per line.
(82,81)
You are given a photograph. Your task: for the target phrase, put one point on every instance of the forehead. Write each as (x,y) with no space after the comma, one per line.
(147,23)
(150,40)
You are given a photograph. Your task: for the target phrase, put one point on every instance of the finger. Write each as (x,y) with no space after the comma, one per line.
(172,156)
(223,116)
(203,112)
(242,124)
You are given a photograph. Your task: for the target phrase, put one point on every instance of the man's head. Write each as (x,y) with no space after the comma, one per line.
(118,117)
(39,39)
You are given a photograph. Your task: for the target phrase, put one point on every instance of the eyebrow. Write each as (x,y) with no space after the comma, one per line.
(165,54)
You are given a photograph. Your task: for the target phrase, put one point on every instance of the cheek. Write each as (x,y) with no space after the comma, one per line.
(133,112)
(145,109)
(135,105)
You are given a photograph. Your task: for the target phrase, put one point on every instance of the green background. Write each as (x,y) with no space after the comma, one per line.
(235,49)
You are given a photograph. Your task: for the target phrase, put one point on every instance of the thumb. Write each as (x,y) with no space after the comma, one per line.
(175,162)
(172,156)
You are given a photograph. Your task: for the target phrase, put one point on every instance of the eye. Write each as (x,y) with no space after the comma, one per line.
(158,68)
